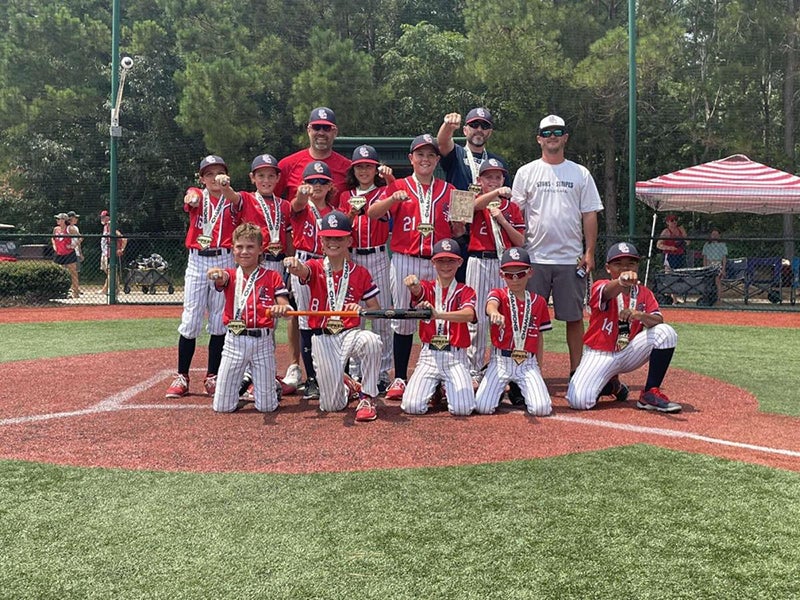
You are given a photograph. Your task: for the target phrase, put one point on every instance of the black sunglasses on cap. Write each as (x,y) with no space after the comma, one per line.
(480,125)
(546,133)
(321,127)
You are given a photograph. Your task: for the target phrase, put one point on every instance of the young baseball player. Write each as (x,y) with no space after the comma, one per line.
(208,239)
(419,206)
(626,330)
(518,318)
(445,338)
(313,201)
(253,296)
(498,224)
(365,179)
(336,283)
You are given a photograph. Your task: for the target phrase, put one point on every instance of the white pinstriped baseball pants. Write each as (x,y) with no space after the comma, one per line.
(378,266)
(258,354)
(331,353)
(450,367)
(483,275)
(597,368)
(401,266)
(527,375)
(200,297)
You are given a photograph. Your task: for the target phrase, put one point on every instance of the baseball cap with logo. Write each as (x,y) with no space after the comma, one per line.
(73,215)
(365,154)
(335,224)
(446,248)
(426,139)
(61,217)
(479,114)
(622,250)
(551,121)
(492,164)
(515,257)
(317,170)
(322,116)
(211,159)
(264,160)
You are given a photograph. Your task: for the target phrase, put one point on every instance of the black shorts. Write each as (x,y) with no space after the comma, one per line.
(66,259)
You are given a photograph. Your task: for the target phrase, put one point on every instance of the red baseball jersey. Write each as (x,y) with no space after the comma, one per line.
(279,211)
(503,337)
(360,287)
(62,241)
(604,319)
(406,239)
(481,237)
(269,285)
(366,232)
(292,171)
(221,234)
(462,296)
(304,229)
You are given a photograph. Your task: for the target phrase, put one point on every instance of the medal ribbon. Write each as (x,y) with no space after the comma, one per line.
(242,291)
(208,224)
(273,225)
(441,304)
(336,295)
(425,200)
(631,303)
(474,165)
(499,246)
(520,333)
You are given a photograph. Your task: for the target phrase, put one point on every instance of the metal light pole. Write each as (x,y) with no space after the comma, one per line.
(115,131)
(631,118)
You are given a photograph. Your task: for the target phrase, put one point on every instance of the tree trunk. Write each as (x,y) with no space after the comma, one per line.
(610,184)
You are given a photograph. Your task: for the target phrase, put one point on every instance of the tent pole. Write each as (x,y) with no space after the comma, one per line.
(650,249)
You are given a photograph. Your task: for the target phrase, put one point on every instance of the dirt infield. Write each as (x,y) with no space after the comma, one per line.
(118,417)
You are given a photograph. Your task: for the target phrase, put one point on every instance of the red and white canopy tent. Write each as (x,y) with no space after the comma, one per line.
(732,184)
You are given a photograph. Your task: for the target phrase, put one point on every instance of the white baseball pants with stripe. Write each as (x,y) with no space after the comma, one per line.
(401,266)
(200,298)
(378,266)
(597,368)
(526,375)
(447,366)
(258,354)
(483,275)
(331,353)
(301,293)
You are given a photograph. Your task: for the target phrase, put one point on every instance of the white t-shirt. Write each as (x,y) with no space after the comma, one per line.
(553,199)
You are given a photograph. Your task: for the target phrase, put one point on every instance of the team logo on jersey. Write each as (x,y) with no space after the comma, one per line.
(362,150)
(514,253)
(318,167)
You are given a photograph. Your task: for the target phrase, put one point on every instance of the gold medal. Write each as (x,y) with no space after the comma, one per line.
(335,325)
(622,341)
(474,187)
(358,202)
(425,229)
(519,356)
(204,241)
(236,327)
(494,204)
(439,342)
(275,249)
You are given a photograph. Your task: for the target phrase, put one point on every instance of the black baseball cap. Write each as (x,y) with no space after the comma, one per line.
(515,257)
(335,224)
(492,164)
(426,139)
(73,215)
(446,248)
(365,154)
(211,159)
(317,170)
(622,250)
(322,116)
(264,160)
(479,114)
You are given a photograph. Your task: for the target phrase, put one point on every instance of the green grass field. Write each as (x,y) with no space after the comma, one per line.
(632,522)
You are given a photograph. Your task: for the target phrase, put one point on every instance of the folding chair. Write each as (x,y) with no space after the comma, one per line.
(734,276)
(764,278)
(795,279)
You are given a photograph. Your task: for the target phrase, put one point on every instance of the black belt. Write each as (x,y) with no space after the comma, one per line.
(373,250)
(253,332)
(507,353)
(326,331)
(212,251)
(483,254)
(309,254)
(273,258)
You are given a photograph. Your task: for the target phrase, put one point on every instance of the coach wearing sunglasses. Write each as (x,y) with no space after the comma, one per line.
(322,132)
(560,201)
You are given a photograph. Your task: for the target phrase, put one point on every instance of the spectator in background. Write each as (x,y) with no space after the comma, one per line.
(105,246)
(76,241)
(715,253)
(64,249)
(672,242)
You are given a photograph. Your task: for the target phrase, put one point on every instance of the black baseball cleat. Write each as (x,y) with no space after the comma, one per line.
(312,390)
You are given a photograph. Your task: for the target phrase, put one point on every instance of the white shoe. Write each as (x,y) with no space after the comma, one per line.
(293,375)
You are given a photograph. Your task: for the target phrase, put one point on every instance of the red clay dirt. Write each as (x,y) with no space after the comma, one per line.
(118,417)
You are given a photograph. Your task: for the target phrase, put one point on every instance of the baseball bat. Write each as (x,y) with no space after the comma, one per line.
(380,313)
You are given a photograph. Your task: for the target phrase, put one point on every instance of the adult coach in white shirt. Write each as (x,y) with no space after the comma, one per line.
(560,202)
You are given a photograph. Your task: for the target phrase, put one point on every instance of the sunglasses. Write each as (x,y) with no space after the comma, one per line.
(514,275)
(321,127)
(546,133)
(317,181)
(480,125)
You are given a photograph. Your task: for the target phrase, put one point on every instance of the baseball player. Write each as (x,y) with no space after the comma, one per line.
(313,201)
(253,296)
(336,283)
(208,239)
(498,224)
(445,338)
(419,206)
(365,178)
(518,318)
(626,330)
